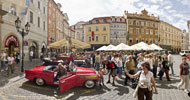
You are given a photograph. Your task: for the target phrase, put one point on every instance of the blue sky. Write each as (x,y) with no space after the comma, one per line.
(175,12)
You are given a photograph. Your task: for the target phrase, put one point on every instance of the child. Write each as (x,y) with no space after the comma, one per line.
(101,77)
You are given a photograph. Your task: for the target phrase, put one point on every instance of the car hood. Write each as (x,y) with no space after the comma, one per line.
(85,70)
(37,68)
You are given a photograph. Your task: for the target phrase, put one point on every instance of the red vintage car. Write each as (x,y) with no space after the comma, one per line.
(79,76)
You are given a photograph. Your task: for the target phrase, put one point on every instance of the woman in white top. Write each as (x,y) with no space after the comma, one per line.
(120,65)
(11,61)
(146,80)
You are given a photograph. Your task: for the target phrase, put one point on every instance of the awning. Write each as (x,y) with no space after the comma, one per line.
(76,43)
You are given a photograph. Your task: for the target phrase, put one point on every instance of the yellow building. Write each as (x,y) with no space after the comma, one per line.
(170,36)
(97,32)
(142,27)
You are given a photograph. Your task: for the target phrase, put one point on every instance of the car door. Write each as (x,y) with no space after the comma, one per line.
(67,82)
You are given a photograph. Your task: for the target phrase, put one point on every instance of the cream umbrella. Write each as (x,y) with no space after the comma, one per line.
(103,48)
(110,47)
(156,47)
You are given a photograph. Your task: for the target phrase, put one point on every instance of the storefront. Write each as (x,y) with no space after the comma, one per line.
(12,44)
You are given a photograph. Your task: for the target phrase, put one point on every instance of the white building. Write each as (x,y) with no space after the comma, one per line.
(185,40)
(118,31)
(188,25)
(36,15)
(79,30)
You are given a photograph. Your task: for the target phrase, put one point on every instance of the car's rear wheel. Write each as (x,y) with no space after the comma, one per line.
(90,84)
(40,81)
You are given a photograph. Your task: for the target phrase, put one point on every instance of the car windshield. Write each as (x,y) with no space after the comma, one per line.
(72,67)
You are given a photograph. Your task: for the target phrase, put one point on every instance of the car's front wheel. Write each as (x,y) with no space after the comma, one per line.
(40,81)
(90,84)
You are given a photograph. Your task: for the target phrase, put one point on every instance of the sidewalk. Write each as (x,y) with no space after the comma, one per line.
(4,78)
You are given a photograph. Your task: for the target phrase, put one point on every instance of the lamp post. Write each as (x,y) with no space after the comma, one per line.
(116,38)
(23,33)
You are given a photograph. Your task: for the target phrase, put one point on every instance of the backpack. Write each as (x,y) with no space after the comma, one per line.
(136,81)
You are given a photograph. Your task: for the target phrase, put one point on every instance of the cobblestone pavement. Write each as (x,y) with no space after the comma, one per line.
(25,90)
(4,78)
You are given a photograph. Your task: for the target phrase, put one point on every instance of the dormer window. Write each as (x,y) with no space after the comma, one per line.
(118,19)
(105,21)
(113,19)
(97,21)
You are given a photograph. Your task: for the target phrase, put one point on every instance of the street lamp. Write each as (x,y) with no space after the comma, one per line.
(116,38)
(23,33)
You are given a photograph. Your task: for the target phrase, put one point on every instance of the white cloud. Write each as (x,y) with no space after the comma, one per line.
(84,10)
(155,1)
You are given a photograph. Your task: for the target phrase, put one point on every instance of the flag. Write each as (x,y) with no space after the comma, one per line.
(92,35)
(25,7)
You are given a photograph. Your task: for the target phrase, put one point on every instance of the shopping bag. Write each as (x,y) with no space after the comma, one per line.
(161,72)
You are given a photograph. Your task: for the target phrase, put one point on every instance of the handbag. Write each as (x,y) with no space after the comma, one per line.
(161,72)
(136,81)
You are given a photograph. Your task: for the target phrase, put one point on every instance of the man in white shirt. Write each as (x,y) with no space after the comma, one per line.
(3,60)
(171,61)
(31,55)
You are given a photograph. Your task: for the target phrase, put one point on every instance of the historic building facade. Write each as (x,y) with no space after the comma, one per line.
(118,30)
(142,27)
(97,32)
(185,40)
(188,26)
(59,23)
(2,13)
(79,30)
(52,6)
(170,36)
(36,15)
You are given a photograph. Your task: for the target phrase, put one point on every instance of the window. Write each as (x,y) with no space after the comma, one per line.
(142,23)
(118,19)
(104,38)
(96,38)
(151,41)
(104,29)
(89,38)
(146,40)
(105,20)
(151,24)
(44,10)
(39,4)
(137,40)
(31,17)
(156,32)
(147,31)
(142,31)
(38,21)
(130,40)
(123,20)
(89,29)
(142,39)
(137,31)
(156,25)
(97,29)
(151,31)
(137,23)
(97,21)
(113,19)
(131,30)
(130,22)
(147,24)
(44,26)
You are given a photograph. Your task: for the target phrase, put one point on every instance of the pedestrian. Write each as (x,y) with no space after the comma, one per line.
(97,61)
(3,60)
(165,68)
(184,74)
(11,62)
(140,60)
(155,65)
(111,67)
(18,58)
(171,61)
(120,65)
(101,77)
(129,66)
(31,55)
(146,80)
